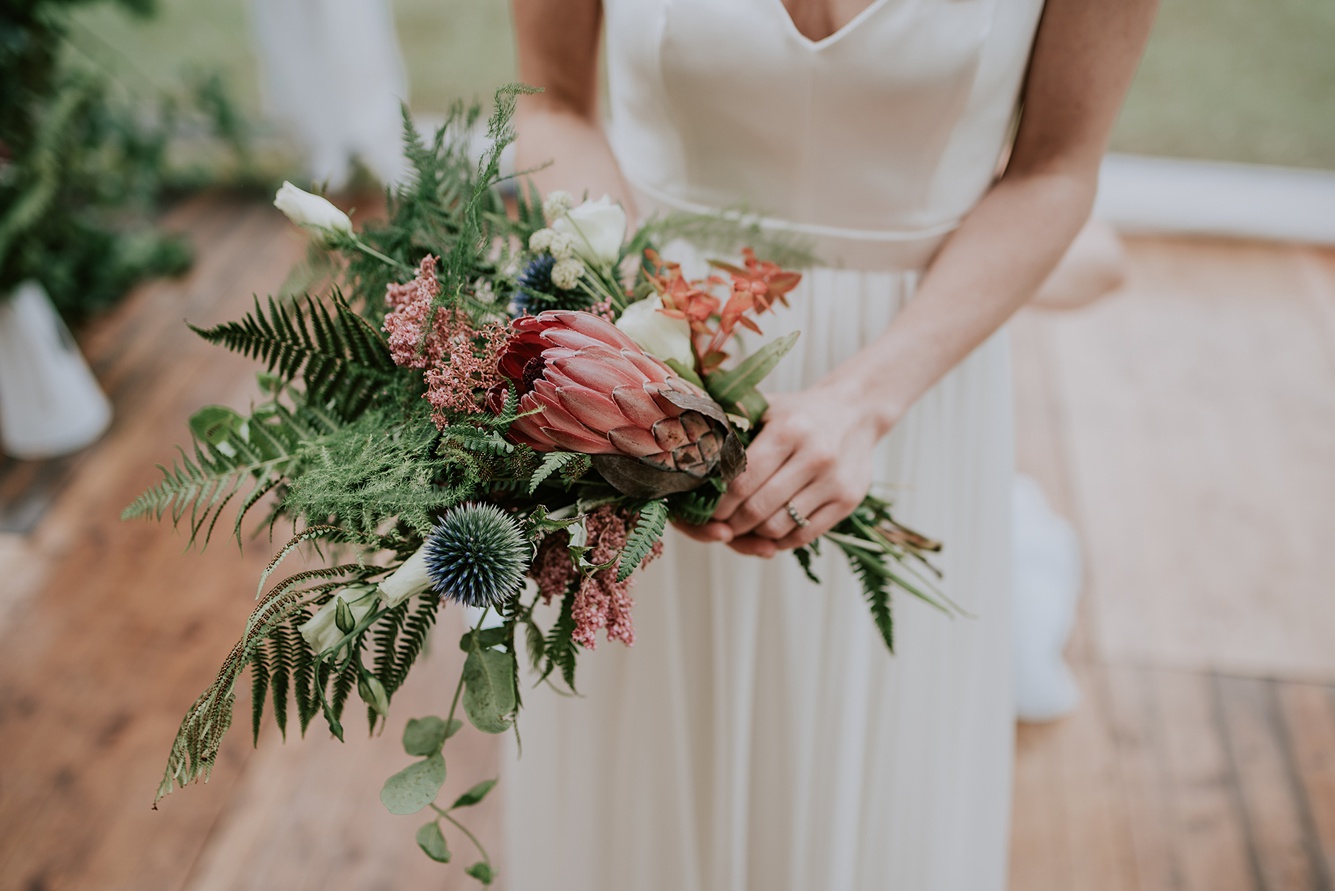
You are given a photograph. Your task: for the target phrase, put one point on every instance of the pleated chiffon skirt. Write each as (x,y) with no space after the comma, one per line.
(758,736)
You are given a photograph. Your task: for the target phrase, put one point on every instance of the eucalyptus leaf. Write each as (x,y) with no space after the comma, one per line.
(482,872)
(732,386)
(425,736)
(432,842)
(489,690)
(474,795)
(414,787)
(453,727)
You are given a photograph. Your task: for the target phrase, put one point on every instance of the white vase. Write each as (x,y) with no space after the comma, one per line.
(50,403)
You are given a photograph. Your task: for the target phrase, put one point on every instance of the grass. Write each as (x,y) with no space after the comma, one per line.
(1230,80)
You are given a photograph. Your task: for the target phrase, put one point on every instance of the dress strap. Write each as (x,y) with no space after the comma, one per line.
(871,250)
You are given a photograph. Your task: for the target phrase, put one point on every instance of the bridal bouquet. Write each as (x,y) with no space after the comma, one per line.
(494,407)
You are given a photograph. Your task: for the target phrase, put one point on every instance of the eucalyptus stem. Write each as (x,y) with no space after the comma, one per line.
(486,858)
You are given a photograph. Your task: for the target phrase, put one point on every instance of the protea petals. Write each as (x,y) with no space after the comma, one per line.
(584,386)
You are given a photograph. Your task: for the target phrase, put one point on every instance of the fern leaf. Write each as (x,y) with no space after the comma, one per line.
(560,649)
(259,689)
(551,463)
(648,530)
(341,359)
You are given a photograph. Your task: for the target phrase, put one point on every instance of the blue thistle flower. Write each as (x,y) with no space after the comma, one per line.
(477,555)
(537,275)
(535,292)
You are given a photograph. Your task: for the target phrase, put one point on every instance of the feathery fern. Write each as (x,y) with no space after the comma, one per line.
(343,361)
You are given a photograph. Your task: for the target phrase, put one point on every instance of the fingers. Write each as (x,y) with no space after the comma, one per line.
(764,457)
(766,506)
(707,532)
(821,522)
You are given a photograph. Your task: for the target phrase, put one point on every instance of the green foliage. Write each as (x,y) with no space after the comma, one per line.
(559,649)
(432,842)
(489,686)
(377,470)
(85,170)
(343,361)
(414,787)
(195,749)
(648,530)
(232,454)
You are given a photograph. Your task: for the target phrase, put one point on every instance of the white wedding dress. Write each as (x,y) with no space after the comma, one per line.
(758,737)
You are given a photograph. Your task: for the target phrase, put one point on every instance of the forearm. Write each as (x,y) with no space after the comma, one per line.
(575,151)
(988,269)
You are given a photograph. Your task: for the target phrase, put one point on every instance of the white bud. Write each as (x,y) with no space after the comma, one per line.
(321,631)
(567,273)
(557,203)
(409,579)
(311,211)
(562,246)
(541,240)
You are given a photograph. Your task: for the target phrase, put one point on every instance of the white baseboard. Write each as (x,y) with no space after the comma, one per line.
(1144,194)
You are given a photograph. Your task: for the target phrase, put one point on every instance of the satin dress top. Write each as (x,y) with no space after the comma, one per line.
(874,141)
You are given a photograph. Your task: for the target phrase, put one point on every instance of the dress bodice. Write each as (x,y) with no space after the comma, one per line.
(891,127)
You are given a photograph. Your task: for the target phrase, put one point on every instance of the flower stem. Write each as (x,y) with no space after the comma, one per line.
(464,829)
(372,252)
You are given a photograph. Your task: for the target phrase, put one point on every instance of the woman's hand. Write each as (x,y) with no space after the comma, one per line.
(814,453)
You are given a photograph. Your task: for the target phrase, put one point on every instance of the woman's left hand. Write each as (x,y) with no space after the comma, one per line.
(814,454)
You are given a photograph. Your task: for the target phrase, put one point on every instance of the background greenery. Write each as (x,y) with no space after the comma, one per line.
(1238,80)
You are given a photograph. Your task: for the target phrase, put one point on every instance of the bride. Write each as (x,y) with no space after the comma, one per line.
(758,736)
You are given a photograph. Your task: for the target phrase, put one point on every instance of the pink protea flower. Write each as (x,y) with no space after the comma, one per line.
(584,386)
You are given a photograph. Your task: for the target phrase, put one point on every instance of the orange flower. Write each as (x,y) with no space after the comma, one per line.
(753,289)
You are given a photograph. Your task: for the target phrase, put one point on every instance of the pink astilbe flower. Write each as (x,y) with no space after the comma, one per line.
(602,601)
(410,307)
(552,568)
(467,367)
(458,359)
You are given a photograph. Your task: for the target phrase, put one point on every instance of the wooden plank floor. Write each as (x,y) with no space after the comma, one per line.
(1187,427)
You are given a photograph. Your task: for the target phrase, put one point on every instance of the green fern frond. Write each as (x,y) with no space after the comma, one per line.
(648,530)
(560,648)
(342,360)
(551,463)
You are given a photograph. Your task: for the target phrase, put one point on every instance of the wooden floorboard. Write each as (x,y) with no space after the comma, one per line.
(1186,426)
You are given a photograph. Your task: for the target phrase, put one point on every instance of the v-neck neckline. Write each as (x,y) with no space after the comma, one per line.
(832,38)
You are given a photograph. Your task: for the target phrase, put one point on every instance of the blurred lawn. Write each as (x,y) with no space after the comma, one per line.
(1236,80)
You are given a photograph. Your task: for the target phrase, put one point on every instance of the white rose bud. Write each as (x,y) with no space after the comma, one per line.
(658,334)
(567,273)
(311,211)
(557,203)
(541,240)
(322,630)
(598,227)
(409,579)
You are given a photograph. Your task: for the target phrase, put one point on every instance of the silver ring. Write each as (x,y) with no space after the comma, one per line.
(801,521)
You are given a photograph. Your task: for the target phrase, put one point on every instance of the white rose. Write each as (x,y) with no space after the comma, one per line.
(598,227)
(658,334)
(322,630)
(409,579)
(311,211)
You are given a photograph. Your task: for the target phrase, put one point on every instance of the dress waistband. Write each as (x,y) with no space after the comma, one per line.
(872,250)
